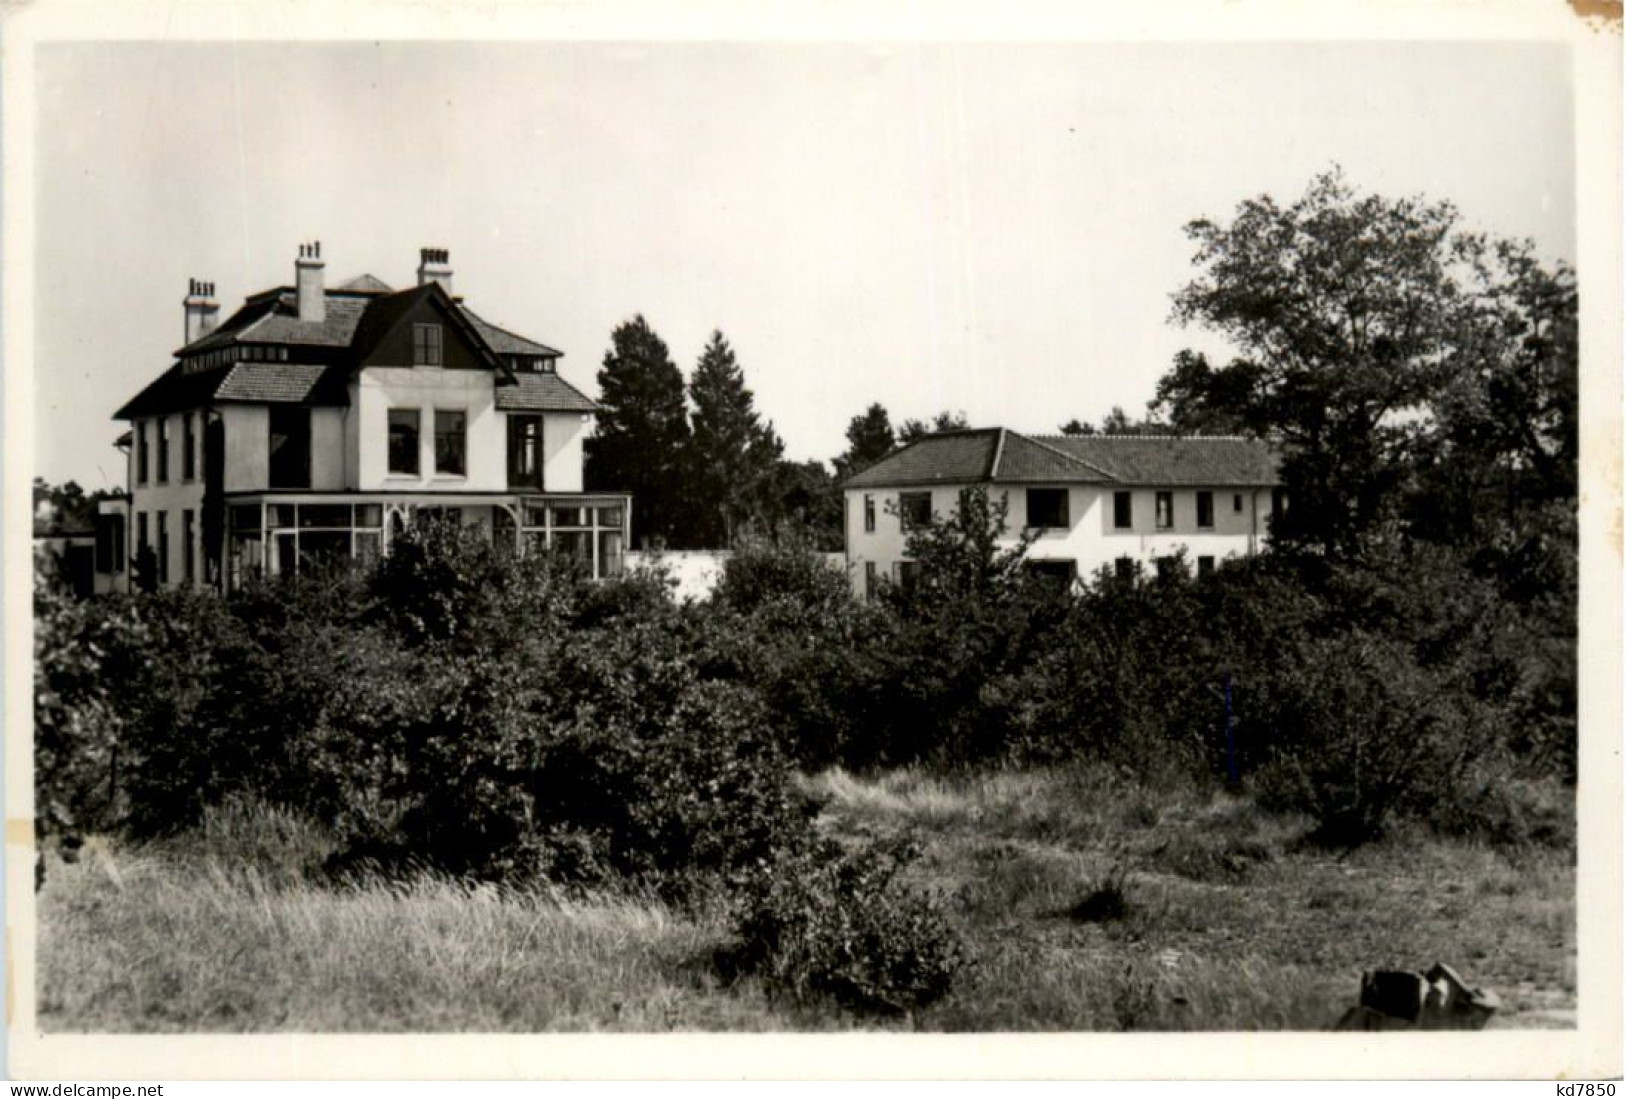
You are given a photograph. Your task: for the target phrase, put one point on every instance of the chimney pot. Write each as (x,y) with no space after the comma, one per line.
(308,275)
(434,265)
(201,311)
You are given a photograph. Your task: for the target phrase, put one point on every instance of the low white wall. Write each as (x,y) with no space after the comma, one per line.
(698,571)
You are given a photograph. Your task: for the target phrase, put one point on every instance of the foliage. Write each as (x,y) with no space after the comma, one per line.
(845,925)
(1363,732)
(1115,422)
(733,454)
(641,441)
(914,430)
(869,438)
(1371,331)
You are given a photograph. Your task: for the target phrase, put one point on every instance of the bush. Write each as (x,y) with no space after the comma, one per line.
(1361,732)
(844,926)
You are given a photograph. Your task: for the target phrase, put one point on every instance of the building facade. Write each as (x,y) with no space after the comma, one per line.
(1120,503)
(319,422)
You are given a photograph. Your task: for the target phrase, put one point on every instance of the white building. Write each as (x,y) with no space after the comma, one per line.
(1091,501)
(320,421)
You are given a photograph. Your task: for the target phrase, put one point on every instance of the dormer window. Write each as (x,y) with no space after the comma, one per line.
(426,345)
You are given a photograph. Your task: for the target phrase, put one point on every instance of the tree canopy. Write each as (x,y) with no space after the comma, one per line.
(734,455)
(642,436)
(1386,349)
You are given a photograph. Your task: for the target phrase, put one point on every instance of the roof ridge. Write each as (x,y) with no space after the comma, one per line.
(1165,438)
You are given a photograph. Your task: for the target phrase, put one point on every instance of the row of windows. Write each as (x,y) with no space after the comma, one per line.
(450,441)
(152,440)
(248,353)
(1063,571)
(1050,509)
(158,546)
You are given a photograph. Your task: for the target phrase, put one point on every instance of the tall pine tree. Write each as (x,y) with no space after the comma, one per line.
(642,435)
(733,454)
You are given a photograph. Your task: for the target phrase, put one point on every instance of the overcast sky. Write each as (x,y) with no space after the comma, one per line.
(987,228)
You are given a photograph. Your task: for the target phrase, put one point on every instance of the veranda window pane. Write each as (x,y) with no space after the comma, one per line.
(281,515)
(568,517)
(369,515)
(609,517)
(330,516)
(609,553)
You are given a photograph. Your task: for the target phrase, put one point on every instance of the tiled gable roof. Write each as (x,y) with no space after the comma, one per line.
(1003,456)
(1174,460)
(535,392)
(504,342)
(368,284)
(951,457)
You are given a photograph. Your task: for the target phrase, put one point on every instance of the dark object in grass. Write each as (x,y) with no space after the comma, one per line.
(1106,902)
(1436,1000)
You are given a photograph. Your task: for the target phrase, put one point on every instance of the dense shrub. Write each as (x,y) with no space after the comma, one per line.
(1362,732)
(843,925)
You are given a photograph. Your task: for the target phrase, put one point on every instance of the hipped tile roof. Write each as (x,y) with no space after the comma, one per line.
(1000,455)
(358,313)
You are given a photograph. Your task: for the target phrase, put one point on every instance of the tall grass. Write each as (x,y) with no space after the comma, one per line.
(1228,921)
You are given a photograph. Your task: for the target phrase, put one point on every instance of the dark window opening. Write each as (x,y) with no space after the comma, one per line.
(1047,507)
(1123,510)
(868,514)
(141,453)
(524,452)
(1169,568)
(451,443)
(1165,511)
(188,544)
(1125,568)
(908,574)
(188,448)
(914,509)
(403,441)
(1204,510)
(163,449)
(163,547)
(426,345)
(1238,506)
(110,543)
(1204,566)
(1059,573)
(871,580)
(290,446)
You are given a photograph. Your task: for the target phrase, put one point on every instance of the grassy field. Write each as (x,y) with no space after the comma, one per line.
(1089,904)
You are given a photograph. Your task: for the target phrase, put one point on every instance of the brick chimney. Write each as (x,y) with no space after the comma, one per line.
(434,265)
(312,293)
(202,311)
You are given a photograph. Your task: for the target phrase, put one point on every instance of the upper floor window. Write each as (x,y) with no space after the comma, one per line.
(403,441)
(290,446)
(1047,507)
(1238,506)
(1123,510)
(188,448)
(426,349)
(868,513)
(451,442)
(141,452)
(524,451)
(914,509)
(1204,510)
(163,449)
(1165,511)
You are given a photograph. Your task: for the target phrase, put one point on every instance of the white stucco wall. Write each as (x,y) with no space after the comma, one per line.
(1090,539)
(379,389)
(169,498)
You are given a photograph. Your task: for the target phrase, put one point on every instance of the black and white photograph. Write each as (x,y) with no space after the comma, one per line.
(855,528)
